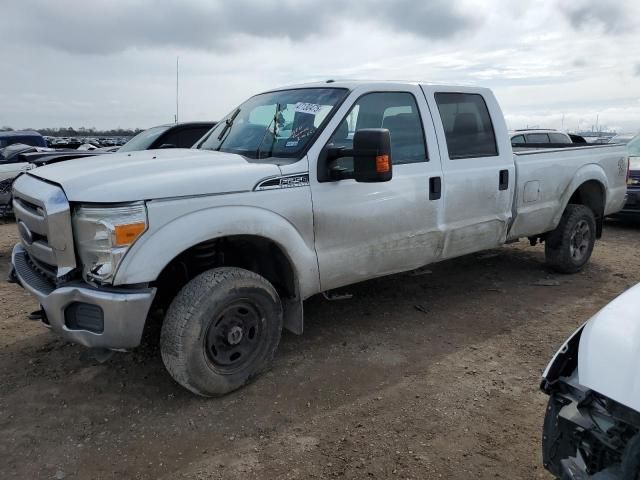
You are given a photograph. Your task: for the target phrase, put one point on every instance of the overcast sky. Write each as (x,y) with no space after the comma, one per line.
(111,63)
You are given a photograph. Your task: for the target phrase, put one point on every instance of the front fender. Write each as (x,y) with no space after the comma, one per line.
(174,229)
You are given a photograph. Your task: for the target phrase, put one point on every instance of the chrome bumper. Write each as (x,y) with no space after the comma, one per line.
(124,311)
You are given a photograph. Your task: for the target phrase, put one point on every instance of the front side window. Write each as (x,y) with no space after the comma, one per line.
(395,111)
(275,124)
(517,140)
(537,138)
(189,136)
(467,125)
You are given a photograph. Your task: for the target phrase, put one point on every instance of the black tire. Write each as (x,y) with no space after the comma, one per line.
(221,331)
(569,247)
(631,460)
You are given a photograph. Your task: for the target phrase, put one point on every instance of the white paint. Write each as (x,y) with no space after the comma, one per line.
(610,350)
(341,232)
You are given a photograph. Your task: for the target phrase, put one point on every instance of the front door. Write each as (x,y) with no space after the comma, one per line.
(364,230)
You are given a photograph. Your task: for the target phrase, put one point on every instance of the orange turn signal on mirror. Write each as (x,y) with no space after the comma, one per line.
(127,234)
(382,164)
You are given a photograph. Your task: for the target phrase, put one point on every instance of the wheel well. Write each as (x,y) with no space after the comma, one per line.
(591,194)
(254,253)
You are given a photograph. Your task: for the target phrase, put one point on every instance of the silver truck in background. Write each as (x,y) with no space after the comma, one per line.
(297,191)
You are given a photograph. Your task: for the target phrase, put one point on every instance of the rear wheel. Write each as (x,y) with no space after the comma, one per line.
(221,331)
(569,247)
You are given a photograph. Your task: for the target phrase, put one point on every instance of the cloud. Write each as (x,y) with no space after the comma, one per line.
(636,69)
(113,26)
(612,18)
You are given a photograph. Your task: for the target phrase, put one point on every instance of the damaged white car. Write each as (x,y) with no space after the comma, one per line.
(592,424)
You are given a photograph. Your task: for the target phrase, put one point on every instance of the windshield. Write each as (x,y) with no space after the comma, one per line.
(633,147)
(274,124)
(143,140)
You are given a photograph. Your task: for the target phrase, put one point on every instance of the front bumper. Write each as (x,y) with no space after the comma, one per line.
(631,207)
(124,311)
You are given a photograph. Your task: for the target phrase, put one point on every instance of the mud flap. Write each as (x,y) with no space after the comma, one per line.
(294,316)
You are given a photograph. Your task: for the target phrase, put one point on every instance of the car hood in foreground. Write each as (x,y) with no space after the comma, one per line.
(609,352)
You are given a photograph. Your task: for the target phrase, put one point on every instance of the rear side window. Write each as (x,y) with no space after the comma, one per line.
(559,138)
(537,138)
(467,125)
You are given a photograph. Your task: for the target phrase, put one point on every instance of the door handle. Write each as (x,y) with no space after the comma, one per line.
(503,181)
(435,188)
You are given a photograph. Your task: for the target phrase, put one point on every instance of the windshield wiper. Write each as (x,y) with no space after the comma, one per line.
(275,133)
(227,125)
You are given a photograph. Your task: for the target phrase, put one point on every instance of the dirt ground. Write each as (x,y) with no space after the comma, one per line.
(417,377)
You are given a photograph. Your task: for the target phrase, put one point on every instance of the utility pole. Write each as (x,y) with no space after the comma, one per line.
(177,79)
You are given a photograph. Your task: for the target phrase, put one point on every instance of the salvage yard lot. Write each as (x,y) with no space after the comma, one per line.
(418,376)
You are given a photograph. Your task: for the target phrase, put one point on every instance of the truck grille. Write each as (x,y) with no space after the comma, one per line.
(43,217)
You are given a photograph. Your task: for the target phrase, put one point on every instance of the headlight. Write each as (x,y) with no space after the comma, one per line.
(104,234)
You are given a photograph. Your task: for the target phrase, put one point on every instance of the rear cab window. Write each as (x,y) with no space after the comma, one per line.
(467,125)
(537,138)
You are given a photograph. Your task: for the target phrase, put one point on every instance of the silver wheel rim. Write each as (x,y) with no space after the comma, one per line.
(580,241)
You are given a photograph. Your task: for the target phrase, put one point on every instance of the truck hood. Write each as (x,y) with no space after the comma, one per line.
(153,174)
(609,351)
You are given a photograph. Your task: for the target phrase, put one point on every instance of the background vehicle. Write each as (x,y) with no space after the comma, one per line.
(23,157)
(26,137)
(181,135)
(19,158)
(541,138)
(592,423)
(631,209)
(298,191)
(622,138)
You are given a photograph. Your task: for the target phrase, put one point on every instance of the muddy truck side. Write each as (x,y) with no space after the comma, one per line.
(298,191)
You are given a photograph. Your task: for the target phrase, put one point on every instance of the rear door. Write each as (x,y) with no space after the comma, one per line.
(364,230)
(478,168)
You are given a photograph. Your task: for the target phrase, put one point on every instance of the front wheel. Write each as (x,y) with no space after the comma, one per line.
(569,247)
(221,331)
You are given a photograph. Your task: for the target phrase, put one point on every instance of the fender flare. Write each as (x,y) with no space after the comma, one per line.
(154,250)
(587,173)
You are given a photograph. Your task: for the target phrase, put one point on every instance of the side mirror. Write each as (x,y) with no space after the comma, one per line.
(167,145)
(372,155)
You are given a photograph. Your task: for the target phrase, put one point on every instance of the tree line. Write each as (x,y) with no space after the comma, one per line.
(80,132)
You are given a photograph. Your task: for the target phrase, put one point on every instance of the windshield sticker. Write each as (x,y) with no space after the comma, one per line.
(311,108)
(292,143)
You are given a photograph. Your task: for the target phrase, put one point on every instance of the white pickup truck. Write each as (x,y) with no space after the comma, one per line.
(299,190)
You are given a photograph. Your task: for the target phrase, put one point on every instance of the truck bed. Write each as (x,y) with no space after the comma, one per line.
(546,178)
